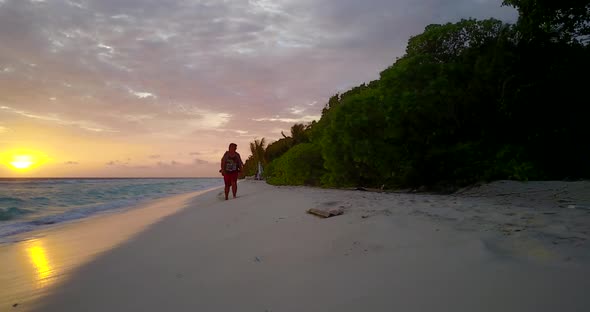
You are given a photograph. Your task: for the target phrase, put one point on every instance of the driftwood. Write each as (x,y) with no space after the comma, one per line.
(325,213)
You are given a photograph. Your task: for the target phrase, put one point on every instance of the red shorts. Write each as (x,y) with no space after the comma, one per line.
(230,177)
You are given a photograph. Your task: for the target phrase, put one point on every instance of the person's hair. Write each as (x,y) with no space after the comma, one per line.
(233,144)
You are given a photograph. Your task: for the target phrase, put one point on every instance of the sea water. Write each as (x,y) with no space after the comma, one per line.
(29,204)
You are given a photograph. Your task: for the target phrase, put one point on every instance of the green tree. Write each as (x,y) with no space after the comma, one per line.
(275,149)
(564,20)
(257,148)
(299,134)
(473,100)
(427,114)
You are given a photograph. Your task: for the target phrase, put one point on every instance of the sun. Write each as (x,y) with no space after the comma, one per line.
(22,161)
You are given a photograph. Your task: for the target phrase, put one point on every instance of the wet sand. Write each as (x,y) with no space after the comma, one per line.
(37,262)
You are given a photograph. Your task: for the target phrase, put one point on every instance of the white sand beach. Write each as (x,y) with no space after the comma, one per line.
(505,246)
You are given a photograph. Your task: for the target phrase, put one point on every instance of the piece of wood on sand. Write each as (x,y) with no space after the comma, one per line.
(325,213)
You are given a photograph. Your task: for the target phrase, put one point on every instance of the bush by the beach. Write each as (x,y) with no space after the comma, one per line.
(301,165)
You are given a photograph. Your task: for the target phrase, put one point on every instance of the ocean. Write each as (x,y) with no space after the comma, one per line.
(29,204)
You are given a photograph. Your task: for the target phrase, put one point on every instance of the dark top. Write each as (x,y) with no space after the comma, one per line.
(232,163)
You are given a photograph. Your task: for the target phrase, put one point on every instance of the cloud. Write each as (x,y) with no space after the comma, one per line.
(164,164)
(6,70)
(185,73)
(207,120)
(3,129)
(187,166)
(71,163)
(138,118)
(154,156)
(200,162)
(141,95)
(302,119)
(76,4)
(55,118)
(118,162)
(297,110)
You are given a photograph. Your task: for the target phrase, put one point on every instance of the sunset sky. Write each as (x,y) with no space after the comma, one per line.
(133,88)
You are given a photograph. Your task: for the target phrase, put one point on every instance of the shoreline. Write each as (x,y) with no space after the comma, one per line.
(73,207)
(101,178)
(389,251)
(42,258)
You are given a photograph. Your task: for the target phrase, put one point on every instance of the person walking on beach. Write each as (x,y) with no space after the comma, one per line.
(231,165)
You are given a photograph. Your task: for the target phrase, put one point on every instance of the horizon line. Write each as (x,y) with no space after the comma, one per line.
(210,177)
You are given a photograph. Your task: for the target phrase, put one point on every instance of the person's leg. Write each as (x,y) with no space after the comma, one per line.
(227,181)
(234,184)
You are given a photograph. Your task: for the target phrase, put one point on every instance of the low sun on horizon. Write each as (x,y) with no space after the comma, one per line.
(22,160)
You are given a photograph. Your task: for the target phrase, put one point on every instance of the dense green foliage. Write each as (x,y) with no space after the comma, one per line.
(299,134)
(278,148)
(469,101)
(564,20)
(301,165)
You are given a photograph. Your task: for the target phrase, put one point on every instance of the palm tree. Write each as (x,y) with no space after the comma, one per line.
(257,148)
(298,133)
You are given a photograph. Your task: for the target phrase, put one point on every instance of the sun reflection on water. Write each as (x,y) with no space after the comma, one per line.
(38,257)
